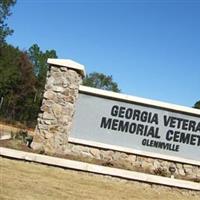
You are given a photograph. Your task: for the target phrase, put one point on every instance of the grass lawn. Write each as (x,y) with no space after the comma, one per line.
(23,180)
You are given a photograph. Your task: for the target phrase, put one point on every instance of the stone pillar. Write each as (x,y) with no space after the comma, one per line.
(61,92)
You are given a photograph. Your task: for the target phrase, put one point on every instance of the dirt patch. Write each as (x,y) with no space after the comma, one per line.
(15,144)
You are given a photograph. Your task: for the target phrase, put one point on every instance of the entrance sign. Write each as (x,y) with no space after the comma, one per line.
(139,125)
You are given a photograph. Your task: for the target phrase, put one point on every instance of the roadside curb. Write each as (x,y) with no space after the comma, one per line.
(97,169)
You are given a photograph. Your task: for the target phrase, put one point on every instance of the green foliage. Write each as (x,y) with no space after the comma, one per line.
(17,85)
(9,73)
(5,6)
(22,81)
(22,75)
(23,136)
(197,105)
(101,81)
(39,60)
(161,172)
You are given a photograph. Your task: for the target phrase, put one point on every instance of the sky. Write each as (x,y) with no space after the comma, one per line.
(150,47)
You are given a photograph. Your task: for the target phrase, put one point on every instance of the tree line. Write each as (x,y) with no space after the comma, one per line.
(22,80)
(23,76)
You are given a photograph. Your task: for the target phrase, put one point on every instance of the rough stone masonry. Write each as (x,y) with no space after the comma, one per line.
(61,91)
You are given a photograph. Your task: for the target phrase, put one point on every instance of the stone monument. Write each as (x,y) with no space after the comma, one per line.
(61,91)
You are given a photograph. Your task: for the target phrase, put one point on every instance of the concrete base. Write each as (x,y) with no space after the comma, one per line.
(70,164)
